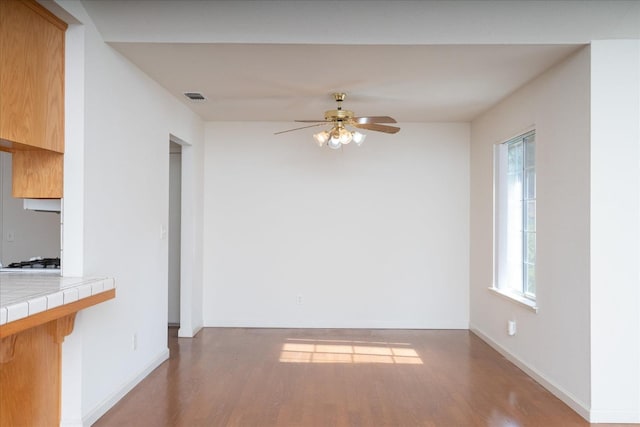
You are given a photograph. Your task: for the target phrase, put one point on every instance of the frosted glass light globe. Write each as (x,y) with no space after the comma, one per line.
(358,138)
(321,137)
(334,143)
(345,136)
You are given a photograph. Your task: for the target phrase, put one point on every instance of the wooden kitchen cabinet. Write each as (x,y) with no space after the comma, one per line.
(37,174)
(31,75)
(32,96)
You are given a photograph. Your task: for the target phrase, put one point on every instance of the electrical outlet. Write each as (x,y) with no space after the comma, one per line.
(11,236)
(134,341)
(511,327)
(299,299)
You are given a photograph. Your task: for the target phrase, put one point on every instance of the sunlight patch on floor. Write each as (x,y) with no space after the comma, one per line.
(342,351)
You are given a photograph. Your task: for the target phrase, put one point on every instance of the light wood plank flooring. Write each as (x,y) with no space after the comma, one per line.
(337,377)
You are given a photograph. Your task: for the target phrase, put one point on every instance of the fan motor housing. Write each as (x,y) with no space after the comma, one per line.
(339,115)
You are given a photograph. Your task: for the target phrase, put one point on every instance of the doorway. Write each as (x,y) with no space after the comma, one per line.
(174,234)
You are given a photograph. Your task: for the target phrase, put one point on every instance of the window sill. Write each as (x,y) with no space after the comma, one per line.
(518,299)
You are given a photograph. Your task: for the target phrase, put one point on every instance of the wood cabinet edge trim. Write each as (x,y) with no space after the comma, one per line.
(46,316)
(45,13)
(12,147)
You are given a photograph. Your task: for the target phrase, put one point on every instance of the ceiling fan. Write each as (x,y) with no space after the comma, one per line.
(339,135)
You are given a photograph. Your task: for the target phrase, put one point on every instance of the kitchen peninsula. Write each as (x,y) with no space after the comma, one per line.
(37,310)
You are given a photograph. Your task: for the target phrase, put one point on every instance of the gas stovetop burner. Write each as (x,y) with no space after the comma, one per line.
(39,263)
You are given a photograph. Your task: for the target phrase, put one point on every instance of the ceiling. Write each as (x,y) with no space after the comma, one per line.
(275,82)
(418,61)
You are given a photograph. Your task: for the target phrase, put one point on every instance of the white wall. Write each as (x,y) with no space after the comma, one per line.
(615,227)
(34,233)
(127,123)
(375,236)
(553,345)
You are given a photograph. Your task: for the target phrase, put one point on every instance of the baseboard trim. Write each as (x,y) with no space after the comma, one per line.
(557,391)
(365,324)
(93,415)
(184,333)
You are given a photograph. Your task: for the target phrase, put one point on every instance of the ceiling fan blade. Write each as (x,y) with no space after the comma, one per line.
(303,127)
(376,127)
(311,121)
(374,119)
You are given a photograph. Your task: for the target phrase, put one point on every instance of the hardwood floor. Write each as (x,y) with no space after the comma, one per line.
(328,377)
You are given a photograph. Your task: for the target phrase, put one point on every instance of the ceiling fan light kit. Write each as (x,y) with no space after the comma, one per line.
(339,135)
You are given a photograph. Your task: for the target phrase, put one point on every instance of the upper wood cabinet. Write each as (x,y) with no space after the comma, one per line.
(32,96)
(31,75)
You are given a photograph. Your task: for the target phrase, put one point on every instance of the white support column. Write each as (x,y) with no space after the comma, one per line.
(72,230)
(615,227)
(73,201)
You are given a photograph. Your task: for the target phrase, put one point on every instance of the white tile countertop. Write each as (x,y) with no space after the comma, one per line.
(25,294)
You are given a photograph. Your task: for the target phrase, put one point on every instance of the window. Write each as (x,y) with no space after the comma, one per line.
(515,217)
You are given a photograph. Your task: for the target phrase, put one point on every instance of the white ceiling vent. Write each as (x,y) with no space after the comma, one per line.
(195,96)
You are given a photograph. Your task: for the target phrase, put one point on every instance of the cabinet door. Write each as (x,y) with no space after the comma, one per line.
(37,174)
(31,75)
